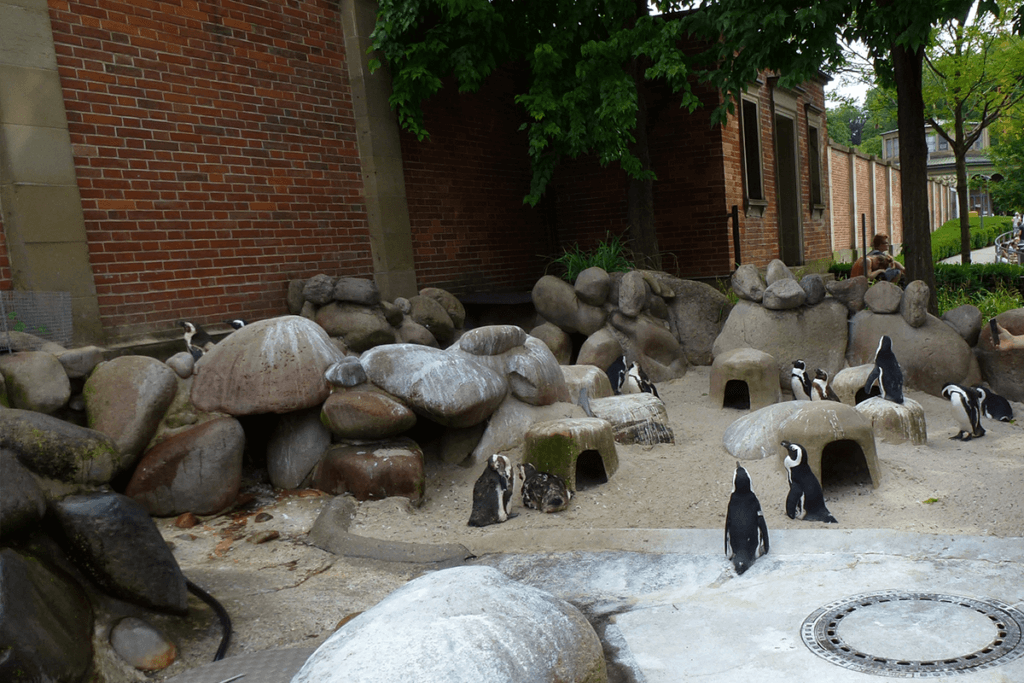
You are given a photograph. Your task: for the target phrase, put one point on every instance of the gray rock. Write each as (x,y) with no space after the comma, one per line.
(849,292)
(966,320)
(635,418)
(360,327)
(592,286)
(451,305)
(59,450)
(914,305)
(197,471)
(556,339)
(777,270)
(295,298)
(182,363)
(657,351)
(22,503)
(556,302)
(930,355)
(366,414)
(747,283)
(601,349)
(696,314)
(35,381)
(755,436)
(142,645)
(428,312)
(883,297)
(817,334)
(125,398)
(411,332)
(402,304)
(308,310)
(492,340)
(443,626)
(319,290)
(113,540)
(447,388)
(47,626)
(896,422)
(23,341)
(814,287)
(347,372)
(510,422)
(270,366)
(298,442)
(392,313)
(1003,369)
(458,444)
(531,370)
(784,294)
(80,362)
(849,382)
(633,291)
(657,307)
(593,379)
(355,290)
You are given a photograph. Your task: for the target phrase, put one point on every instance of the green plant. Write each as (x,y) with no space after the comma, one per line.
(990,303)
(611,255)
(946,240)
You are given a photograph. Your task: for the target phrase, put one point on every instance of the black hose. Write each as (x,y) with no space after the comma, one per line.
(225,620)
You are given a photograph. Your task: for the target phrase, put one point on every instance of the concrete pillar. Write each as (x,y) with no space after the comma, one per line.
(39,198)
(380,154)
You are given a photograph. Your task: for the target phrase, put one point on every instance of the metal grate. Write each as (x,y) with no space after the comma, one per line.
(46,315)
(822,633)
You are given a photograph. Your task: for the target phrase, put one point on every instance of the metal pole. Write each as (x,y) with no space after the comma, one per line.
(736,233)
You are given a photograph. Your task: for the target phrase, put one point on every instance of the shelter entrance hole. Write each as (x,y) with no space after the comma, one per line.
(590,470)
(843,464)
(737,395)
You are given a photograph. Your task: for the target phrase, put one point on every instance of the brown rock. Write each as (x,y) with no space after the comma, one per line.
(362,414)
(373,471)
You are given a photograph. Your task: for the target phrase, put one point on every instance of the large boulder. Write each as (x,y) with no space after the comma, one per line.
(35,380)
(451,389)
(930,355)
(512,419)
(373,471)
(114,541)
(125,398)
(696,314)
(966,320)
(427,312)
(197,471)
(366,414)
(449,302)
(532,371)
(817,334)
(593,286)
(1003,368)
(556,339)
(601,349)
(298,442)
(359,327)
(557,302)
(466,624)
(784,294)
(58,450)
(747,283)
(22,502)
(270,366)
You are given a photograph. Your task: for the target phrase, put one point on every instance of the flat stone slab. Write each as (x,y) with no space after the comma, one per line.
(555,446)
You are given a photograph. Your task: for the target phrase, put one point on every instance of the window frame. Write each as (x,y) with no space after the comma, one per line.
(814,165)
(752,205)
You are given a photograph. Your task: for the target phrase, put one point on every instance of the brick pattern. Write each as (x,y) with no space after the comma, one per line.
(215,151)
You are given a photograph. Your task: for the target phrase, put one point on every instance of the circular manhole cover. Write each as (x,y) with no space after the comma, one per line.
(915,635)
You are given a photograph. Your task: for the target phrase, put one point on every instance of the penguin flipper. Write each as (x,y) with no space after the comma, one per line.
(872,378)
(762,529)
(792,504)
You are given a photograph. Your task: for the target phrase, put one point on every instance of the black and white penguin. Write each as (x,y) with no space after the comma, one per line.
(637,382)
(617,374)
(965,403)
(236,323)
(805,499)
(994,406)
(492,492)
(543,491)
(821,388)
(746,533)
(800,381)
(197,341)
(887,372)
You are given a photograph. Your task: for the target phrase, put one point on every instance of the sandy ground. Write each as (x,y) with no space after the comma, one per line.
(285,593)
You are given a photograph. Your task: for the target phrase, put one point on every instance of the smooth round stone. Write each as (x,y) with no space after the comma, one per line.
(917,630)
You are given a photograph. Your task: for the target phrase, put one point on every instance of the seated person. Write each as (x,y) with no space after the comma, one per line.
(880,265)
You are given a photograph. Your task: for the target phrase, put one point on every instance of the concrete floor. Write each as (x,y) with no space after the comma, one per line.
(674,610)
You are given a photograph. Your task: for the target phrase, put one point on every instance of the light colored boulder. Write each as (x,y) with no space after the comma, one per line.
(556,301)
(512,419)
(757,369)
(182,363)
(359,327)
(635,418)
(817,425)
(270,366)
(492,340)
(592,286)
(79,362)
(784,294)
(449,388)
(601,349)
(966,320)
(296,445)
(777,271)
(814,287)
(356,290)
(896,422)
(755,436)
(849,292)
(58,450)
(747,283)
(914,304)
(556,339)
(432,315)
(696,313)
(531,370)
(883,297)
(448,301)
(849,383)
(35,381)
(589,377)
(462,625)
(366,414)
(633,291)
(318,290)
(1003,367)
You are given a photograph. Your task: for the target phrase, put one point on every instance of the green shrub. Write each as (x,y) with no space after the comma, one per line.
(946,240)
(610,255)
(990,303)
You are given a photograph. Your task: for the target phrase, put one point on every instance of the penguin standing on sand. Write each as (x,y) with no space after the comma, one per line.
(197,341)
(492,493)
(637,382)
(805,499)
(887,372)
(994,406)
(965,403)
(821,389)
(543,491)
(746,533)
(800,381)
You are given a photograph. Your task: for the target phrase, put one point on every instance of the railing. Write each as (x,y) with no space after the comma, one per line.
(1009,250)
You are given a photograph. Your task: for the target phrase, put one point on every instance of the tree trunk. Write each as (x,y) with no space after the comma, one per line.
(640,193)
(962,200)
(917,240)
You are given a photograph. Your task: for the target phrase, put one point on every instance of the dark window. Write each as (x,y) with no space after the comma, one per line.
(752,150)
(815,165)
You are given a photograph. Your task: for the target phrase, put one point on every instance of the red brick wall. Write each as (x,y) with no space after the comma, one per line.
(5,264)
(215,152)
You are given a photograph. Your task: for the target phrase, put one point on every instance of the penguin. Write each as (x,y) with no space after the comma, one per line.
(821,389)
(965,403)
(617,374)
(197,341)
(236,323)
(746,533)
(887,372)
(994,406)
(800,381)
(805,499)
(543,491)
(636,382)
(492,492)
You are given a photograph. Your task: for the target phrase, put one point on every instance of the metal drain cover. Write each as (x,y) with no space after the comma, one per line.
(915,635)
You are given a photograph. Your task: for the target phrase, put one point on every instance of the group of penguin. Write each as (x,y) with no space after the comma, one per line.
(198,341)
(493,490)
(746,532)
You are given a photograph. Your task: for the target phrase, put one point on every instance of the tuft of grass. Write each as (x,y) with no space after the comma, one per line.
(990,303)
(611,255)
